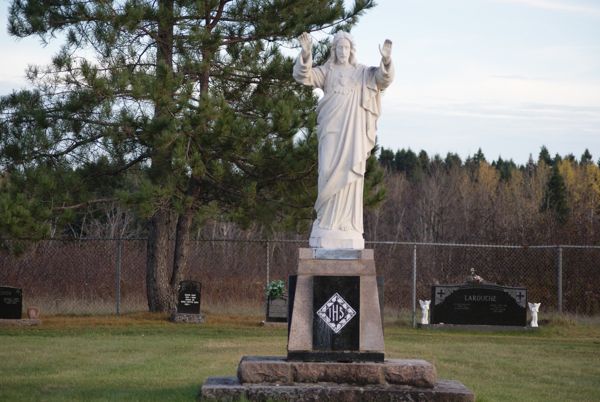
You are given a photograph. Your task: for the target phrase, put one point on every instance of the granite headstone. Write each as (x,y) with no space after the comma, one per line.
(479,304)
(11,303)
(188,301)
(277,309)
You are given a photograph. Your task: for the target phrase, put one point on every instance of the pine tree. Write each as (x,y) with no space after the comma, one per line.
(586,157)
(555,197)
(505,168)
(407,161)
(424,161)
(479,157)
(386,158)
(196,95)
(544,156)
(452,160)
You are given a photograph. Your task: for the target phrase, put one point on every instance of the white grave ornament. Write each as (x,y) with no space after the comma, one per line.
(424,311)
(534,308)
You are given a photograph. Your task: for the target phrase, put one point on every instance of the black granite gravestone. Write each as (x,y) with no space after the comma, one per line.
(336,315)
(292,279)
(11,303)
(188,301)
(479,304)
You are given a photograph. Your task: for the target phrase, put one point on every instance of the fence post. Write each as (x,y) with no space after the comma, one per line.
(118,276)
(268,262)
(559,278)
(414,287)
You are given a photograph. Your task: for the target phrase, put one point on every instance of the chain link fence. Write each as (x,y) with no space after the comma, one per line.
(107,276)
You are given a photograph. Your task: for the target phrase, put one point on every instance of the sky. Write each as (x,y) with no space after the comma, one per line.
(506,76)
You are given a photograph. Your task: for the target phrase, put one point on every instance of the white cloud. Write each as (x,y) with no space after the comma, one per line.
(558,5)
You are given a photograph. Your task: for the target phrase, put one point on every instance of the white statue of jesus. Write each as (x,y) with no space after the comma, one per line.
(347,123)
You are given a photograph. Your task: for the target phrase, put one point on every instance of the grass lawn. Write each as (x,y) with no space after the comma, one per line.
(144,357)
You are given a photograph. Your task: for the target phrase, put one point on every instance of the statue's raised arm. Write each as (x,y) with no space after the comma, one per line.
(306,44)
(386,52)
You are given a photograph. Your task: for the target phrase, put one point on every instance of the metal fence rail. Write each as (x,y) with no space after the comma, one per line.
(107,276)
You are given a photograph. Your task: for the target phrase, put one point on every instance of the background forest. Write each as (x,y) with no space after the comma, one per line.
(434,199)
(550,200)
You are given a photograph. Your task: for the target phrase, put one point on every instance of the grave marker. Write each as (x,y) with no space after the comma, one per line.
(11,303)
(188,300)
(479,304)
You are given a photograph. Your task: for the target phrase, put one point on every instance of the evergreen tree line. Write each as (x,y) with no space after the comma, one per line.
(551,200)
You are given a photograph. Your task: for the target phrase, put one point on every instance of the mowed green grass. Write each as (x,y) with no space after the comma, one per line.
(144,357)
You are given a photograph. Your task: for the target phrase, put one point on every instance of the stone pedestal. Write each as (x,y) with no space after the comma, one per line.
(335,344)
(278,370)
(335,313)
(275,378)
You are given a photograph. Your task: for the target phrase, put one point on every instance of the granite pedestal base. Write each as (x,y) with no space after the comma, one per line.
(276,369)
(335,344)
(274,378)
(335,307)
(230,389)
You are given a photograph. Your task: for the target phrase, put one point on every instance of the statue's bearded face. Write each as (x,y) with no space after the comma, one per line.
(342,51)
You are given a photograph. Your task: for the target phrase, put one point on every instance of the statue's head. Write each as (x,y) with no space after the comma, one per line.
(343,49)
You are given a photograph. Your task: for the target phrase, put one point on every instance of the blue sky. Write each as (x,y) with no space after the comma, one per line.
(506,76)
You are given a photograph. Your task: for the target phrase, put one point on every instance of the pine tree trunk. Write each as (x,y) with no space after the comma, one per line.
(159,257)
(161,296)
(182,247)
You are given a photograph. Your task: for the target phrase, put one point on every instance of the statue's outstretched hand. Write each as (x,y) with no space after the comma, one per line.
(386,52)
(306,43)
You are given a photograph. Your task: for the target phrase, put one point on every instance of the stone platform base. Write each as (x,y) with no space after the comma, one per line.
(230,389)
(187,318)
(263,378)
(24,322)
(276,369)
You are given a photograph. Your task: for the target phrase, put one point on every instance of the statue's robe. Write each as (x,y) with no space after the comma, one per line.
(347,123)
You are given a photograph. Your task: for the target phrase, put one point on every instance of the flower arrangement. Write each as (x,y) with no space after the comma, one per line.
(275,289)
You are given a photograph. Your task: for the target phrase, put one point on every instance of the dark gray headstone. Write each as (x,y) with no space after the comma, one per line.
(277,310)
(11,303)
(478,304)
(336,315)
(188,301)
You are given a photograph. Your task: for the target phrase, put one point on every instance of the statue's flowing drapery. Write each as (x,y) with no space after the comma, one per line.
(347,118)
